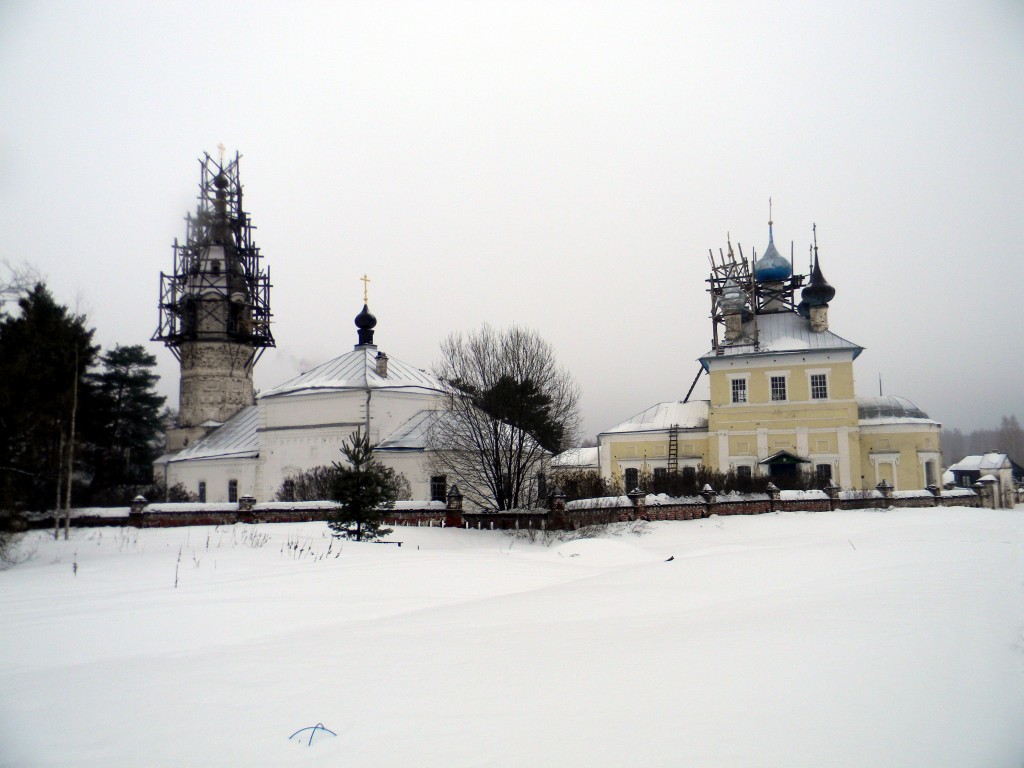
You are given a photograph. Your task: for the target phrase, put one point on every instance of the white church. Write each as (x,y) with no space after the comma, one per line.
(215,318)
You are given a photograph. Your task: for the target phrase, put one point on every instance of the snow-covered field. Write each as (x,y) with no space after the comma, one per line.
(863,638)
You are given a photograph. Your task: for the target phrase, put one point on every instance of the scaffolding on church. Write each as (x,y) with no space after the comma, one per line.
(732,282)
(726,272)
(219,289)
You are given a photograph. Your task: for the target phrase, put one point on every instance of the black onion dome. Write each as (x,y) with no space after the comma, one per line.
(365,321)
(220,181)
(818,292)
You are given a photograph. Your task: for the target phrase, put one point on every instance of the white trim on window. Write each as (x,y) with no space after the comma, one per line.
(739,395)
(811,373)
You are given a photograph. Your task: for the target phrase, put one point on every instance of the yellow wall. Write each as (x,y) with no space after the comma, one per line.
(797,424)
(825,431)
(898,455)
(632,449)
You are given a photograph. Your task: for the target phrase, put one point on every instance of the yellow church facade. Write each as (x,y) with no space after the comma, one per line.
(782,397)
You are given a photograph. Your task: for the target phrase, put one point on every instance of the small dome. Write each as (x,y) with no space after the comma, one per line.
(365,321)
(733,299)
(220,181)
(818,292)
(772,267)
(888,407)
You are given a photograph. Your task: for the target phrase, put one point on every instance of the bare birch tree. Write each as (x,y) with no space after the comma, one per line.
(508,406)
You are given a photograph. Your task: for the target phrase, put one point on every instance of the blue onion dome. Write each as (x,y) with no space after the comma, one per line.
(772,267)
(365,321)
(733,300)
(818,292)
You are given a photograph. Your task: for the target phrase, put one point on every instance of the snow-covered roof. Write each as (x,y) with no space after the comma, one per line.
(412,435)
(691,415)
(357,370)
(577,458)
(982,463)
(779,333)
(890,409)
(237,439)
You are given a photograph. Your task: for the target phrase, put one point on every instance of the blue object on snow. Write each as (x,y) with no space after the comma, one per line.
(315,732)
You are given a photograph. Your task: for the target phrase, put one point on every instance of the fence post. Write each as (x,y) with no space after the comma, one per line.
(710,498)
(886,490)
(453,512)
(639,501)
(832,491)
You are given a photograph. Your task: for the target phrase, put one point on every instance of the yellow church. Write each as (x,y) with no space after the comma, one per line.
(782,400)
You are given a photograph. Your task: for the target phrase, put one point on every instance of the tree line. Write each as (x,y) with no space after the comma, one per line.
(78,425)
(1007,438)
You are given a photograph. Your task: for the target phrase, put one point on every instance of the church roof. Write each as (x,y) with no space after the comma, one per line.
(236,439)
(357,370)
(691,415)
(412,435)
(578,458)
(780,332)
(889,409)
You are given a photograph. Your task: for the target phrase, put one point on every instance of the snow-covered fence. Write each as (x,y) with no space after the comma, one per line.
(662,507)
(558,515)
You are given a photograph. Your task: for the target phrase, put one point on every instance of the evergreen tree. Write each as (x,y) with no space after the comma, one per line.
(364,488)
(44,353)
(125,425)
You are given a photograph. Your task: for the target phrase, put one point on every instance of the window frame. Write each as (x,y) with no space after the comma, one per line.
(739,391)
(436,482)
(823,377)
(778,387)
(233,491)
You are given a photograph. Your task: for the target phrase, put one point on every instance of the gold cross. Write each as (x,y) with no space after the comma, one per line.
(222,149)
(366,285)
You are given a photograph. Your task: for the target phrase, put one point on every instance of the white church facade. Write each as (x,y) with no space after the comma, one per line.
(215,318)
(303,422)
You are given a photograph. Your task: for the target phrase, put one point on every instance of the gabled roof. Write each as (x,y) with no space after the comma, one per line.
(357,370)
(236,439)
(784,457)
(780,333)
(691,415)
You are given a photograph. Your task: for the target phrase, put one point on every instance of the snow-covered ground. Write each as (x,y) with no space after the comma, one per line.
(862,638)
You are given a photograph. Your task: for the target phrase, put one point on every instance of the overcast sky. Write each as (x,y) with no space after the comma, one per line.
(566,166)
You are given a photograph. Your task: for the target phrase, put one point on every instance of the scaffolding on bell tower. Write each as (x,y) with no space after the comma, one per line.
(219,289)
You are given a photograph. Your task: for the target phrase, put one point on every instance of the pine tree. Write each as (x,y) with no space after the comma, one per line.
(364,488)
(125,425)
(44,353)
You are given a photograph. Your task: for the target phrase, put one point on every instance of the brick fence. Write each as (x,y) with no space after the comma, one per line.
(557,516)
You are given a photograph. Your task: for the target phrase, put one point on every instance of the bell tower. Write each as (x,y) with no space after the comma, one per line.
(215,306)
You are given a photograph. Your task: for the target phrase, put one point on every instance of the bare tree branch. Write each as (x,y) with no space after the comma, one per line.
(16,280)
(508,406)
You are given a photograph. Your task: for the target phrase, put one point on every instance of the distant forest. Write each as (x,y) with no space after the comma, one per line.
(1007,438)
